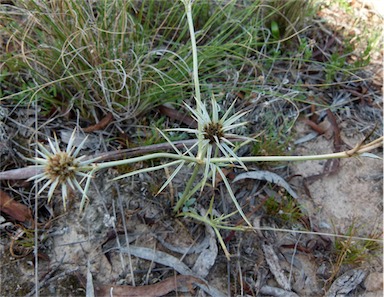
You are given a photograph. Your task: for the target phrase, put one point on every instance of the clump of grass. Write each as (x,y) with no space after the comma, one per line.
(269,145)
(285,210)
(126,57)
(284,17)
(349,251)
(353,251)
(272,142)
(106,56)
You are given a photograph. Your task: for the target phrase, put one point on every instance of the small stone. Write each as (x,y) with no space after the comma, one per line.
(3,113)
(372,294)
(374,282)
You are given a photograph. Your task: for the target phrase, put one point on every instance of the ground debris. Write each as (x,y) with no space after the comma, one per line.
(194,249)
(104,122)
(277,292)
(346,283)
(267,176)
(170,261)
(274,266)
(16,210)
(208,256)
(159,289)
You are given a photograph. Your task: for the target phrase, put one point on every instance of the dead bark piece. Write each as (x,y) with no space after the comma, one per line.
(274,266)
(276,292)
(177,115)
(90,289)
(20,173)
(100,125)
(16,210)
(346,283)
(156,290)
(316,127)
(337,141)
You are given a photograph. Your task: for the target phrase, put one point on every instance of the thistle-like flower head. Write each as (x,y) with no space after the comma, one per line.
(216,131)
(61,168)
(214,135)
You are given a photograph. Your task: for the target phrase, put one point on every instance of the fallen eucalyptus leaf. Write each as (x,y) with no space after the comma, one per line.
(274,266)
(104,122)
(276,292)
(170,261)
(14,209)
(156,290)
(207,258)
(370,155)
(195,249)
(90,290)
(269,177)
(306,138)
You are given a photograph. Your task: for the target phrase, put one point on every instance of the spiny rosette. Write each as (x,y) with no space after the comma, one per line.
(214,135)
(213,131)
(62,168)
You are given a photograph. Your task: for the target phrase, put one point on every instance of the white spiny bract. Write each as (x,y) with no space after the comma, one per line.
(61,168)
(215,130)
(216,136)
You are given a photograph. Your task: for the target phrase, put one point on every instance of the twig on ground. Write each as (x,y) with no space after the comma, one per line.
(173,262)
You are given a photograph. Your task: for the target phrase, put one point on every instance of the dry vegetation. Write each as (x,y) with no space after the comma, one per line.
(306,77)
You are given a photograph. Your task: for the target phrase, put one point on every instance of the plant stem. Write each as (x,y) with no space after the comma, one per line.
(146,158)
(340,155)
(188,10)
(186,193)
(188,7)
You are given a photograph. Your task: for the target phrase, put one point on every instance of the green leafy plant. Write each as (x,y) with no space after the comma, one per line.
(61,168)
(286,210)
(217,222)
(286,16)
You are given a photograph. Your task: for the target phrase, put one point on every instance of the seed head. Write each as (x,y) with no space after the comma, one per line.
(62,168)
(213,131)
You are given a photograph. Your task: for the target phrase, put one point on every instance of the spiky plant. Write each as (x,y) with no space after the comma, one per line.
(61,168)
